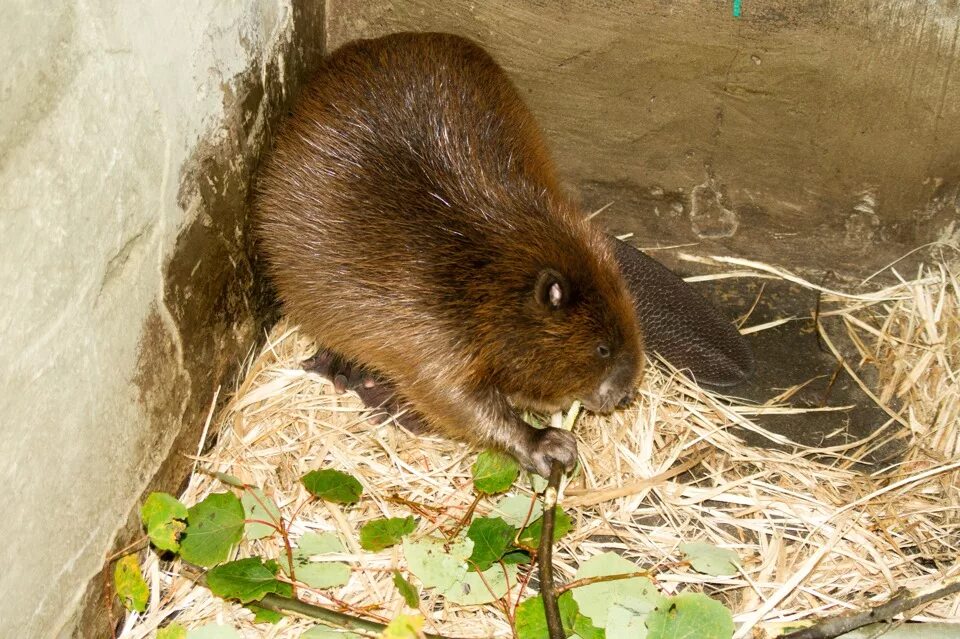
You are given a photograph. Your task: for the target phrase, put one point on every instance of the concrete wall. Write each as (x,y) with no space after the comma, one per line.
(128,135)
(817,133)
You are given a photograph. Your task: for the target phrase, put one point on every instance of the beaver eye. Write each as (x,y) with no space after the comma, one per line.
(603,351)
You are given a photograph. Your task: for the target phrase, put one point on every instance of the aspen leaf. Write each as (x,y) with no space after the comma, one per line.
(333,485)
(494,472)
(710,560)
(131,587)
(164,518)
(382,533)
(258,508)
(690,615)
(213,527)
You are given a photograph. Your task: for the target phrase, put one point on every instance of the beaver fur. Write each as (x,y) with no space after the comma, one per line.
(412,221)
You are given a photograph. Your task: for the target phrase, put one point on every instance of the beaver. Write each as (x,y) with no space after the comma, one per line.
(413,222)
(678,324)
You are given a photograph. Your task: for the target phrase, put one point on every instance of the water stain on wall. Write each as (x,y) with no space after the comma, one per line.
(215,300)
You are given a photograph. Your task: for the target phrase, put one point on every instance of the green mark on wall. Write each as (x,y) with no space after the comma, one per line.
(736,8)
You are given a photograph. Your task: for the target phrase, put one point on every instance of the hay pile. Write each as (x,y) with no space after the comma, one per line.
(816,535)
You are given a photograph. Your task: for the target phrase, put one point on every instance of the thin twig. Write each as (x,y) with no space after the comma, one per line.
(462,522)
(334,618)
(288,549)
(550,607)
(339,620)
(135,545)
(586,581)
(901,602)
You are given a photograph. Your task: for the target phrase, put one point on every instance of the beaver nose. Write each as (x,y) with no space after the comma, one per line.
(612,394)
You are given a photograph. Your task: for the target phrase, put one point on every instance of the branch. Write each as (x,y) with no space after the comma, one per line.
(550,607)
(462,522)
(334,618)
(586,581)
(901,602)
(340,620)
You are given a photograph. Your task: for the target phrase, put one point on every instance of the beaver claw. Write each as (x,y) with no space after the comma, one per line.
(547,446)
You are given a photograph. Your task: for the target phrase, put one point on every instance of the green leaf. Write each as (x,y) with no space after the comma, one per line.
(531,619)
(213,527)
(321,575)
(482,587)
(213,631)
(245,580)
(518,510)
(409,593)
(690,615)
(583,626)
(326,632)
(163,517)
(596,600)
(128,581)
(436,562)
(491,537)
(494,472)
(257,506)
(333,485)
(383,533)
(404,627)
(710,560)
(312,543)
(173,631)
(442,564)
(318,574)
(626,619)
(538,483)
(262,615)
(516,557)
(530,536)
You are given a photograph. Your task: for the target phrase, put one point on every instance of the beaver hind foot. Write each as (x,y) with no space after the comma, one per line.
(373,390)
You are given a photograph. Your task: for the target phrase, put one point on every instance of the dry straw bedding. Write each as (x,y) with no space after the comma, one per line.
(816,533)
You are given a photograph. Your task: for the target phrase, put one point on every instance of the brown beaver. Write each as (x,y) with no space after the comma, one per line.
(412,221)
(677,323)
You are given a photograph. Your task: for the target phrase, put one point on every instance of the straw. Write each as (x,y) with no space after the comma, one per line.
(816,533)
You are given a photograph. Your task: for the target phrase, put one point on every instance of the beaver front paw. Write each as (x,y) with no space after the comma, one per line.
(546,446)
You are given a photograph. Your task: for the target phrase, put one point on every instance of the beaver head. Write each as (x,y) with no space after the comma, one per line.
(553,317)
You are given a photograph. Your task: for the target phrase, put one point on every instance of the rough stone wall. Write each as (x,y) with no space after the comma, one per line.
(128,136)
(820,133)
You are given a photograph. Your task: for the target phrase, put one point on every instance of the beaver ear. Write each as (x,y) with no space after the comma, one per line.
(552,289)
